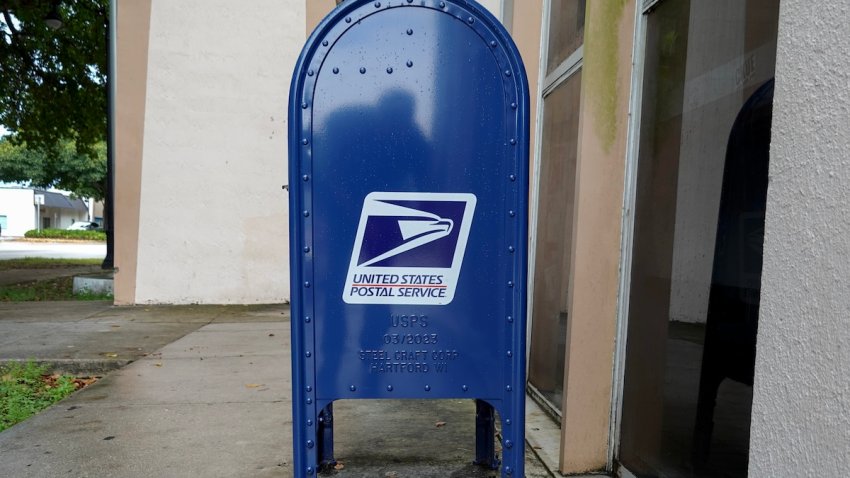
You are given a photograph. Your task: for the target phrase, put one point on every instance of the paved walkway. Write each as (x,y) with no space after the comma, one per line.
(207,394)
(17,249)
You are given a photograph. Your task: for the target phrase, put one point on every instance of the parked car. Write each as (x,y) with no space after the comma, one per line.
(84,226)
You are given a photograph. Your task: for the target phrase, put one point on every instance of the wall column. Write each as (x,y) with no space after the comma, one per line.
(132,31)
(592,325)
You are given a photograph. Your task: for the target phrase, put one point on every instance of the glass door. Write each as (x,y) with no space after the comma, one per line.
(555,186)
(699,204)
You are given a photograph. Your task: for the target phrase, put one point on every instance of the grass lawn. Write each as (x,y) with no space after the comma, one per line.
(61,288)
(51,289)
(44,263)
(26,389)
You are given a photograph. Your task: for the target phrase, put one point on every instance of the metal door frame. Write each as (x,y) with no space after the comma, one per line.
(546,84)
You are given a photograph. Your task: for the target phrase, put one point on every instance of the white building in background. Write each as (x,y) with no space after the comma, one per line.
(19,212)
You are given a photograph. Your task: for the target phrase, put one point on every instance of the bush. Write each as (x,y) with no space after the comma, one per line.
(64,234)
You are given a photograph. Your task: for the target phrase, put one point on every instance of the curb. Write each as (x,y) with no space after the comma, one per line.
(57,240)
(75,367)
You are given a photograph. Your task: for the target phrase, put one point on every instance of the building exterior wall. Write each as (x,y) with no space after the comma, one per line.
(526,20)
(801,404)
(17,205)
(95,211)
(525,25)
(133,32)
(594,275)
(316,10)
(200,148)
(62,218)
(212,214)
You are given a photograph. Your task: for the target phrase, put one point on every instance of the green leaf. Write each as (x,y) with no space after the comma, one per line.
(53,82)
(60,165)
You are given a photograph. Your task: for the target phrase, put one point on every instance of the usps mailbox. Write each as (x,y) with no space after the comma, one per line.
(408,190)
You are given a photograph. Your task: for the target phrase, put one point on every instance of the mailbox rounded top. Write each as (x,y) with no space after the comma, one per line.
(351,14)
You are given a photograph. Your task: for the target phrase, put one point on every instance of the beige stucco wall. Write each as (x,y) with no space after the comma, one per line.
(201,148)
(316,10)
(213,214)
(525,27)
(594,277)
(132,29)
(594,273)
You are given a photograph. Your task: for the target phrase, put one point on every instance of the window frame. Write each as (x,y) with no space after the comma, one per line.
(546,84)
(627,231)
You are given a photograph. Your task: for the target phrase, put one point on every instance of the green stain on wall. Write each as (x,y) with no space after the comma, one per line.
(600,71)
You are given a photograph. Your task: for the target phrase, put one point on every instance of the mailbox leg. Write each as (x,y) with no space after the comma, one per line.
(485,435)
(326,438)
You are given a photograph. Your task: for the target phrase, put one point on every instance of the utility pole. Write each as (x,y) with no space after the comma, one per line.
(109,200)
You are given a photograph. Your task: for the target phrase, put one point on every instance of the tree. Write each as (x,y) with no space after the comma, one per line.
(60,166)
(53,82)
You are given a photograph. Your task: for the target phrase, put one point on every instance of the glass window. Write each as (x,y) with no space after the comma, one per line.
(566,31)
(554,239)
(699,218)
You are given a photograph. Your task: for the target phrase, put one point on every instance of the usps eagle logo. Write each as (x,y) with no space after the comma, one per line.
(409,248)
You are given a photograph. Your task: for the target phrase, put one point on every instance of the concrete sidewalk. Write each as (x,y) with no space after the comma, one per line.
(213,401)
(92,337)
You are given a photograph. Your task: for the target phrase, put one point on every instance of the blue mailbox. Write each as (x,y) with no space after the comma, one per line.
(408,134)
